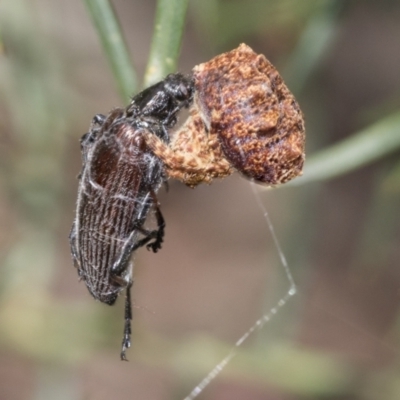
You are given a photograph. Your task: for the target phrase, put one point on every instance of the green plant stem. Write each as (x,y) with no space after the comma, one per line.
(313,44)
(368,145)
(167,37)
(114,46)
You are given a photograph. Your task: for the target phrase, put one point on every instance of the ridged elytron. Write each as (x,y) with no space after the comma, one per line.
(117,189)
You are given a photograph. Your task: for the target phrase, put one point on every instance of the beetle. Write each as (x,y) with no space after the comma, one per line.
(117,189)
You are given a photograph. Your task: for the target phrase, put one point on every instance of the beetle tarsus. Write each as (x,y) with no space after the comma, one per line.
(126,340)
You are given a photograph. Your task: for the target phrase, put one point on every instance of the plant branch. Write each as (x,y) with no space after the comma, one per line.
(366,146)
(114,45)
(167,37)
(313,44)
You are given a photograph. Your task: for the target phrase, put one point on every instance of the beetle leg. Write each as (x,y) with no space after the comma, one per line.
(156,245)
(121,264)
(90,137)
(97,122)
(126,340)
(157,234)
(98,119)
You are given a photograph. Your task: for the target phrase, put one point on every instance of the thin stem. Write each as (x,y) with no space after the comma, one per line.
(313,44)
(167,37)
(370,144)
(112,40)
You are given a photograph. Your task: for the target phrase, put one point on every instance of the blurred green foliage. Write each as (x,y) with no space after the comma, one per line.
(38,117)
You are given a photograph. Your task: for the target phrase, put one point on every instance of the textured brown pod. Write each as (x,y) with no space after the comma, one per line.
(194,155)
(243,100)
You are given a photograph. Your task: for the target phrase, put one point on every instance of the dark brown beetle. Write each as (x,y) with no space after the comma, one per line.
(117,188)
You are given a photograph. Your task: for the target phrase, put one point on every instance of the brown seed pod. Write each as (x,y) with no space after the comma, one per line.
(243,100)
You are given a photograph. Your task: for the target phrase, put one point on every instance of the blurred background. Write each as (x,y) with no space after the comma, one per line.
(218,271)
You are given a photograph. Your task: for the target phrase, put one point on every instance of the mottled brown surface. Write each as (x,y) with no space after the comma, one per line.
(244,101)
(243,118)
(194,156)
